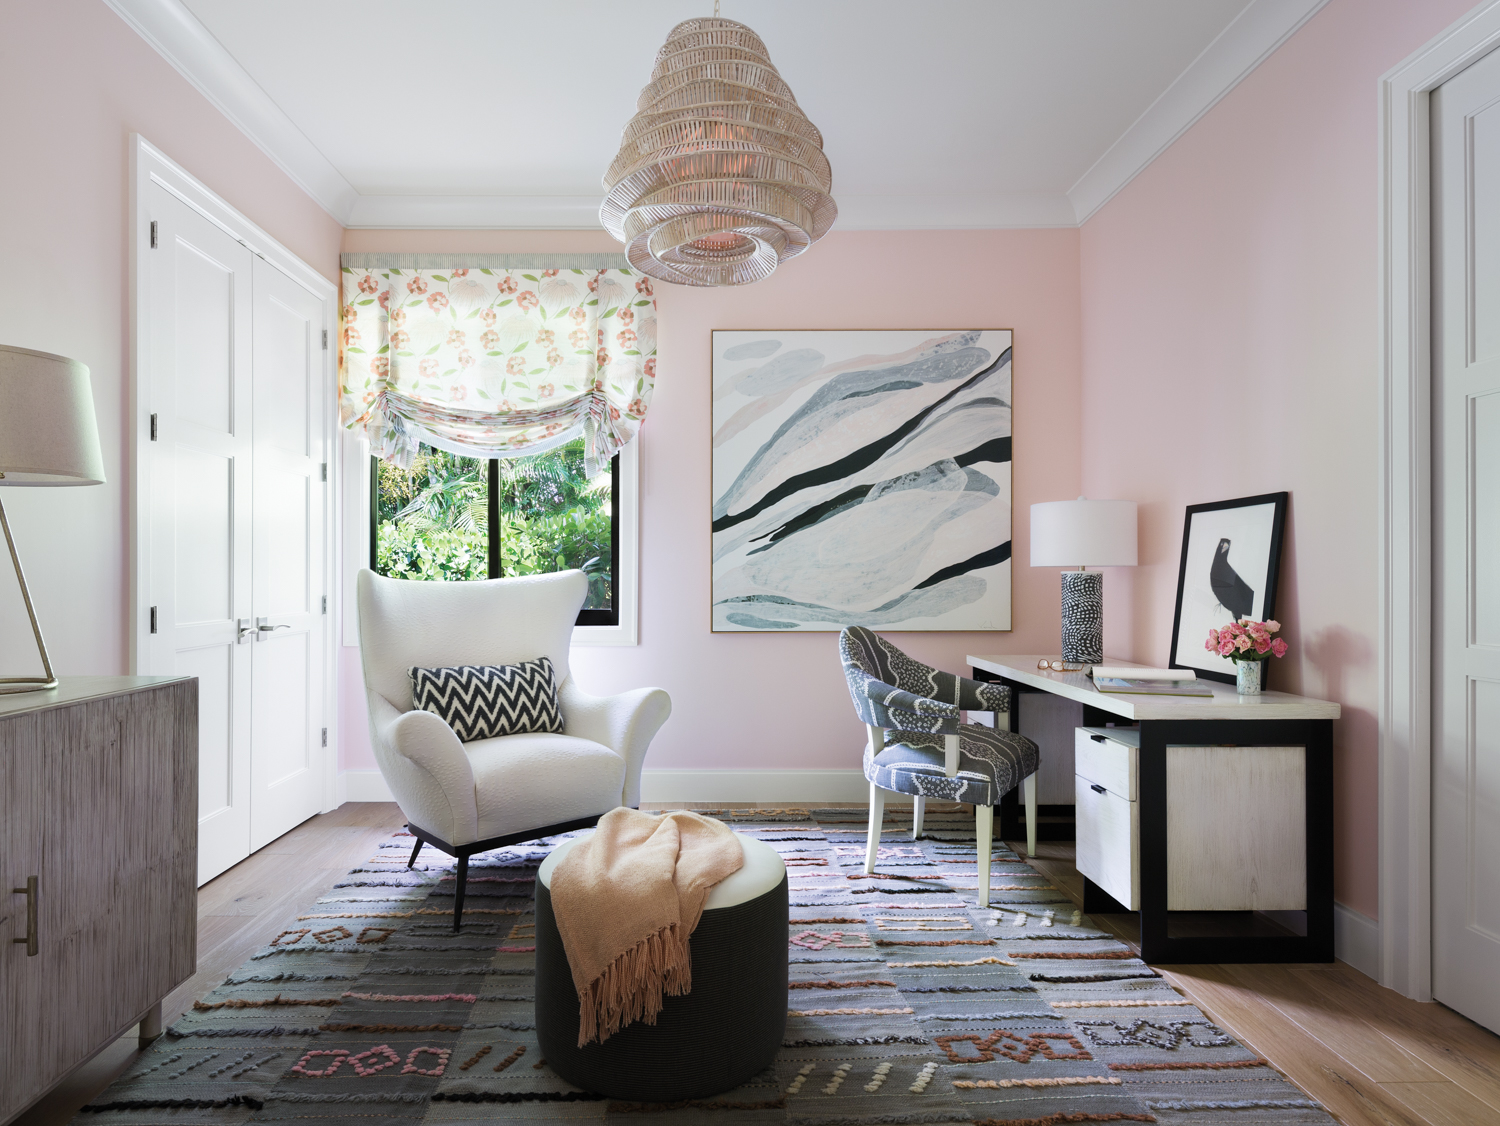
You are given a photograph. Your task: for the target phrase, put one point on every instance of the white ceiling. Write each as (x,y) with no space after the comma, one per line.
(496,113)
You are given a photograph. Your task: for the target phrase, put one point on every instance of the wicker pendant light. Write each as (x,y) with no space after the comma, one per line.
(720,175)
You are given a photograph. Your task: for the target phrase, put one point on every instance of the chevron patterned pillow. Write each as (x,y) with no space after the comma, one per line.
(483,701)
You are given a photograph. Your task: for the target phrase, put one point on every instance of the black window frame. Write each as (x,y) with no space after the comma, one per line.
(588,616)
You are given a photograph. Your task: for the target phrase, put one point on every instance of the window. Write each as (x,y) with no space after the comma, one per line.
(450,518)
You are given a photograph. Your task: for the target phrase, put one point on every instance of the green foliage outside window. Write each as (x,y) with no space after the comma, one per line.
(432,520)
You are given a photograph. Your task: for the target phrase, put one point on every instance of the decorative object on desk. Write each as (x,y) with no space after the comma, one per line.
(48,437)
(1133,672)
(1249,645)
(1059,666)
(1146,686)
(861,478)
(1083,533)
(1231,553)
(720,175)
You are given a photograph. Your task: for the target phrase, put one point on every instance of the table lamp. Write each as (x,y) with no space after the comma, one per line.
(1083,533)
(47,437)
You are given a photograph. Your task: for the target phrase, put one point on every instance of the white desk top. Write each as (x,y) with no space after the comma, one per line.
(1225,704)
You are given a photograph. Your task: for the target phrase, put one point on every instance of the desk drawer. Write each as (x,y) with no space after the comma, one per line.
(1109,841)
(1108,756)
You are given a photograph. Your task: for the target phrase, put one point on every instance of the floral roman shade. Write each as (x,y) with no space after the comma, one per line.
(495,362)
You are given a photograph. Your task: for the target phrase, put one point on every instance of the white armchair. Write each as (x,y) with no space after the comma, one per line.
(465,798)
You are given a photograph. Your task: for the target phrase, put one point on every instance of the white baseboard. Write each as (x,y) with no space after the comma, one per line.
(1356,940)
(792,787)
(363,785)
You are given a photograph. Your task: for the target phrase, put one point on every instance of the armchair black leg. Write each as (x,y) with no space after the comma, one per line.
(416,849)
(458,892)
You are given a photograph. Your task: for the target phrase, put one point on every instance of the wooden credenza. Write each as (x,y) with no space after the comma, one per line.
(99,805)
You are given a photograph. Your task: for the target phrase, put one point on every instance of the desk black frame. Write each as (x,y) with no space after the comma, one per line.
(1157,945)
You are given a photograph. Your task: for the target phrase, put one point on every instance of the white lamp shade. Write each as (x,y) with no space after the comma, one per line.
(48,435)
(1083,533)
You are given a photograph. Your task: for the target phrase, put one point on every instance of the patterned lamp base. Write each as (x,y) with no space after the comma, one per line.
(1083,616)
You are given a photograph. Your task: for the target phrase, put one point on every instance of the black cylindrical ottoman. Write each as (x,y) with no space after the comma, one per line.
(724,1032)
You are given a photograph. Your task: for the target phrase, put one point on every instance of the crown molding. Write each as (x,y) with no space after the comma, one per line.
(178,36)
(1248,41)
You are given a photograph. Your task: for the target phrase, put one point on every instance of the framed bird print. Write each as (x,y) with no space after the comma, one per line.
(1231,553)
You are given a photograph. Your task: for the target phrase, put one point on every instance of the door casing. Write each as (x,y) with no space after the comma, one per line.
(1405,459)
(148,166)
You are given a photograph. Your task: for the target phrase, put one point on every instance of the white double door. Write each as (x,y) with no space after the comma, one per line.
(1466,542)
(237,518)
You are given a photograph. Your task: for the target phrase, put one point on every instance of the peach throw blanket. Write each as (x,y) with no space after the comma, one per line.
(626,900)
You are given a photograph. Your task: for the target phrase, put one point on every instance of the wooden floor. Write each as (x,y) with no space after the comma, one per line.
(1370,1056)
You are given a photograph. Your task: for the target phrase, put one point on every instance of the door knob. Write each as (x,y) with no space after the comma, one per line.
(262,627)
(246,630)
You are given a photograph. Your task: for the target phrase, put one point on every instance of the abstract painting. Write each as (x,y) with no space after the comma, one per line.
(1231,553)
(861,477)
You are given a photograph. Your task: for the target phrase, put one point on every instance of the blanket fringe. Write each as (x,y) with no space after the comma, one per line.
(633,986)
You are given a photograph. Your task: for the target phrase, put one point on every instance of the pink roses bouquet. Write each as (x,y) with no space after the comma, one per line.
(1245,640)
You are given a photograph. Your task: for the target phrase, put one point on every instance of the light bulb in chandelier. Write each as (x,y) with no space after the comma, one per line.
(720,175)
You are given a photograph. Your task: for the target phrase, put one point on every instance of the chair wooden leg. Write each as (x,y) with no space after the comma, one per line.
(415,849)
(877,822)
(1030,788)
(918,808)
(984,833)
(458,892)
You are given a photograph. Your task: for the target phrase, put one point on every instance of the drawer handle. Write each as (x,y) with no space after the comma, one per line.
(29,891)
(1097,738)
(1098,789)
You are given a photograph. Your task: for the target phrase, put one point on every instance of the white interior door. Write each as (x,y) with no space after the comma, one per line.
(291,513)
(1466,542)
(199,513)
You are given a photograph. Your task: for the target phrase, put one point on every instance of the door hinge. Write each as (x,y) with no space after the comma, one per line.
(153,619)
(325,736)
(325,471)
(325,604)
(153,234)
(153,428)
(325,340)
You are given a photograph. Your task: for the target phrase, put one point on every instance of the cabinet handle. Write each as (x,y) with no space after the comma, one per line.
(1098,789)
(29,891)
(1097,738)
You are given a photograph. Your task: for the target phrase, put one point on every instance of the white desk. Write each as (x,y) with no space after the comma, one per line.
(1225,720)
(1227,704)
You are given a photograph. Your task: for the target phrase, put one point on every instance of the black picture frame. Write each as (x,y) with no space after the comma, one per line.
(1250,581)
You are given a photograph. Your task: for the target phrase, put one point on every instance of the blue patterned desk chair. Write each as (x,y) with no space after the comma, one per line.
(917,745)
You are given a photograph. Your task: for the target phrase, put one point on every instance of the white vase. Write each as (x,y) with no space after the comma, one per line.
(1247,677)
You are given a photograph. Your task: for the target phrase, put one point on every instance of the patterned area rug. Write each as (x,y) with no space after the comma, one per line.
(909,1004)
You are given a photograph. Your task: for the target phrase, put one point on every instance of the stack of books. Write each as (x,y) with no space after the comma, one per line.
(1125,680)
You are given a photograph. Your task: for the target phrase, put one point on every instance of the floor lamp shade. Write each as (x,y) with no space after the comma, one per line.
(1083,533)
(48,436)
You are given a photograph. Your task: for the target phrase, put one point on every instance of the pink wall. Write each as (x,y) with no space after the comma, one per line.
(764,701)
(1228,291)
(76,82)
(1229,349)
